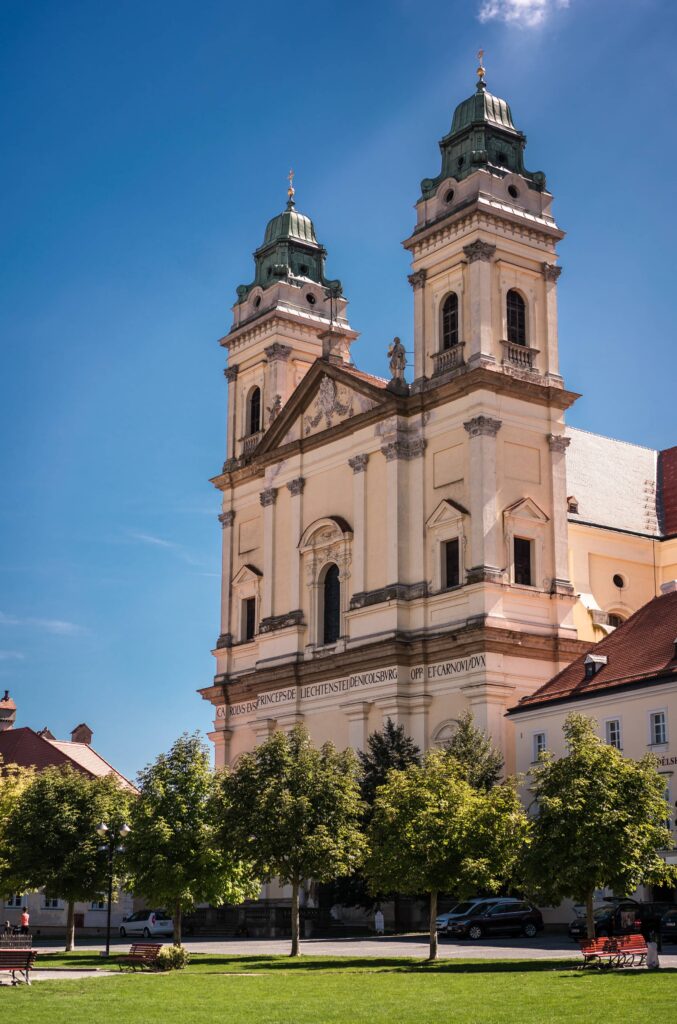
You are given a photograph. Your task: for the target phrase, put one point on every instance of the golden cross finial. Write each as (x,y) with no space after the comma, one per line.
(291,191)
(480,71)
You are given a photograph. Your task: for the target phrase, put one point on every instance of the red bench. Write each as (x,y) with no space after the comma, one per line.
(141,954)
(18,961)
(621,951)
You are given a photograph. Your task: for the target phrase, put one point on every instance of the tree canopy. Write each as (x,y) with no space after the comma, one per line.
(294,810)
(174,854)
(432,831)
(386,748)
(599,820)
(481,763)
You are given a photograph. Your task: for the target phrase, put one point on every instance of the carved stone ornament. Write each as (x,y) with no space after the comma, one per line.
(328,404)
(358,463)
(418,278)
(268,497)
(277,351)
(226,519)
(551,272)
(482,426)
(231,372)
(296,486)
(404,449)
(275,409)
(479,250)
(558,442)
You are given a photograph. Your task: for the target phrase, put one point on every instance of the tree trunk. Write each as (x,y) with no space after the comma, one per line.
(70,926)
(589,915)
(433,926)
(295,918)
(177,923)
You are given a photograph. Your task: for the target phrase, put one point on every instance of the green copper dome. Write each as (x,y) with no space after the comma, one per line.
(289,252)
(482,135)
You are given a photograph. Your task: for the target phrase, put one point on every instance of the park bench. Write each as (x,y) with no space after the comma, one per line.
(622,951)
(18,962)
(141,954)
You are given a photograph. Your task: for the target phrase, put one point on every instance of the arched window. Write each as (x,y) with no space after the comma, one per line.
(254,411)
(450,321)
(331,612)
(517,318)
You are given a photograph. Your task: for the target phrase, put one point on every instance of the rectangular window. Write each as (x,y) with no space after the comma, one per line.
(99,904)
(14,900)
(659,728)
(613,732)
(249,618)
(538,745)
(522,555)
(451,568)
(51,904)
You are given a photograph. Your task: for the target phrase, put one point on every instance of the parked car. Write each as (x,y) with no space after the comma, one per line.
(669,926)
(147,923)
(443,921)
(622,917)
(514,917)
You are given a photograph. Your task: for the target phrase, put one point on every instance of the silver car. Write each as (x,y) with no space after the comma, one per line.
(147,923)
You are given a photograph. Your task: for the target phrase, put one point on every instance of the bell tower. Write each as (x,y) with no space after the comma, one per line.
(290,315)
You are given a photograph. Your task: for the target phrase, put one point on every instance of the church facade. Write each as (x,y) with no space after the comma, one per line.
(411,550)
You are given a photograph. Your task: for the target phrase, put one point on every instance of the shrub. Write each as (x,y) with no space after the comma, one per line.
(172,958)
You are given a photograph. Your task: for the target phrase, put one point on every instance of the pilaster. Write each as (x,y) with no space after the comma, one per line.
(295,488)
(358,464)
(558,444)
(278,384)
(230,373)
(485,559)
(268,499)
(479,256)
(417,281)
(226,519)
(357,713)
(221,739)
(551,274)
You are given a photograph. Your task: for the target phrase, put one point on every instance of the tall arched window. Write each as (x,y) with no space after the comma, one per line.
(517,318)
(331,624)
(254,411)
(450,321)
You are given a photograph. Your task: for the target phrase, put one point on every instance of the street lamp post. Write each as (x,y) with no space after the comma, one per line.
(110,848)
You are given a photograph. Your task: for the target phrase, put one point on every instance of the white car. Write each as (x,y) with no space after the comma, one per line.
(442,921)
(147,923)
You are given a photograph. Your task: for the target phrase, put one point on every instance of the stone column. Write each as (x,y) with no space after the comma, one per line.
(417,281)
(415,547)
(485,530)
(295,488)
(418,719)
(358,464)
(277,384)
(230,373)
(268,499)
(558,444)
(226,519)
(357,713)
(477,294)
(551,274)
(398,539)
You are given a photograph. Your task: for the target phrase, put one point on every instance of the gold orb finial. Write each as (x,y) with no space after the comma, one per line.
(480,70)
(291,191)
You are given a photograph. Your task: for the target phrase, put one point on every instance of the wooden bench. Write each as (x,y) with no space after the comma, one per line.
(141,954)
(621,951)
(18,962)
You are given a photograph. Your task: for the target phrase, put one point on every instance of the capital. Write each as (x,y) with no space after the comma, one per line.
(226,519)
(558,442)
(479,250)
(418,278)
(268,497)
(231,372)
(358,463)
(277,351)
(404,449)
(296,486)
(551,272)
(482,426)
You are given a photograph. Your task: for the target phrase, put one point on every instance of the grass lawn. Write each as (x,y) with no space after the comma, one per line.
(276,990)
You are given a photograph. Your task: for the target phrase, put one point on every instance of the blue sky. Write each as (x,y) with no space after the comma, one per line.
(146,144)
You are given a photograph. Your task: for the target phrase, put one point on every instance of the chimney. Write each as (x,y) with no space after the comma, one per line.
(7,712)
(81,734)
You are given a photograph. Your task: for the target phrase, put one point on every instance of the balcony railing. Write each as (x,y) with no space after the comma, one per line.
(250,442)
(520,356)
(448,359)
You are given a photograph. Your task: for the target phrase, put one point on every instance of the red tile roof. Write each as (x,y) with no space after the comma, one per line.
(639,651)
(30,749)
(667,491)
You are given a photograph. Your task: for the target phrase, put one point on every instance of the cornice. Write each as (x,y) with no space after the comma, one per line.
(453,225)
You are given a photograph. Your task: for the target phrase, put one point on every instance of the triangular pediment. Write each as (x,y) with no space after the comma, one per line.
(327,396)
(526,508)
(247,574)
(447,511)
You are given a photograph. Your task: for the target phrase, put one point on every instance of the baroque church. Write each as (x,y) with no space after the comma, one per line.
(413,550)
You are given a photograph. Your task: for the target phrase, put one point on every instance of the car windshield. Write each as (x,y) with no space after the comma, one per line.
(479,908)
(602,912)
(462,908)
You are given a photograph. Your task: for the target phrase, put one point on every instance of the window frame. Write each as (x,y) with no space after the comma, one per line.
(608,722)
(254,391)
(327,568)
(536,747)
(521,329)
(444,567)
(529,541)
(246,605)
(15,901)
(653,714)
(444,347)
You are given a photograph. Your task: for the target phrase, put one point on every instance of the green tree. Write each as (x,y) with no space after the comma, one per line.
(387,748)
(51,839)
(432,832)
(600,820)
(13,781)
(481,763)
(295,811)
(173,854)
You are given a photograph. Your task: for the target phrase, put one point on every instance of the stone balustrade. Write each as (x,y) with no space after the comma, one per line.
(448,359)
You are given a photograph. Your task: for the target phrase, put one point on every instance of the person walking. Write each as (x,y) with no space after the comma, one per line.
(25,921)
(379,923)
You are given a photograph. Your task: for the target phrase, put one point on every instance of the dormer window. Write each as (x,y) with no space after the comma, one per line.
(450,321)
(516,311)
(593,663)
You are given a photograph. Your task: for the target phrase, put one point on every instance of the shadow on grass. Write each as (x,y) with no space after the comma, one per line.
(347,965)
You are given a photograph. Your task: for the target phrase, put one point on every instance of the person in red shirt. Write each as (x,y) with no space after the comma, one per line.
(25,920)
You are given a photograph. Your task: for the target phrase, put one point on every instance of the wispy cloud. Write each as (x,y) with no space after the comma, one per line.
(11,656)
(55,626)
(159,542)
(524,13)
